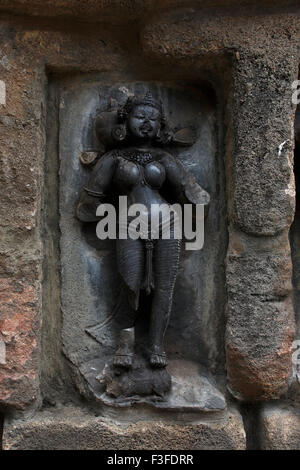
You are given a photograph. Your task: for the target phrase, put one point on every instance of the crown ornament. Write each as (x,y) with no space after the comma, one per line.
(132,101)
(149,100)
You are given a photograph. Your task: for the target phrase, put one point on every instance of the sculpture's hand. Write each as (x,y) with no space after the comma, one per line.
(194,193)
(187,190)
(87,207)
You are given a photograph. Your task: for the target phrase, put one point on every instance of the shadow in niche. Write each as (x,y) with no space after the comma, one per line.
(295,228)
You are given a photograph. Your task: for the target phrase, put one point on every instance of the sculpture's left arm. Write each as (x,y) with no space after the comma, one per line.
(183,183)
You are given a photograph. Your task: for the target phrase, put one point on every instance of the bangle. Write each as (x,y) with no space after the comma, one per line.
(93,193)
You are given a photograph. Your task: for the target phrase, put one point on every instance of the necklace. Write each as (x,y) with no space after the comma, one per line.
(137,156)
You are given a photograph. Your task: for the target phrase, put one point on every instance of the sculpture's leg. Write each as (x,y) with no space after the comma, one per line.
(130,257)
(131,263)
(166,260)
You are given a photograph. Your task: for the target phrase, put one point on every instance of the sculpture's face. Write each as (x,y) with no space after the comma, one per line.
(144,121)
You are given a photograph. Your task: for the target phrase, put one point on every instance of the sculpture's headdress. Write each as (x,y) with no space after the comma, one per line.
(133,101)
(109,131)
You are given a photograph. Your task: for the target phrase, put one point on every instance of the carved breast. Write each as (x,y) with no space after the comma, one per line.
(155,174)
(129,174)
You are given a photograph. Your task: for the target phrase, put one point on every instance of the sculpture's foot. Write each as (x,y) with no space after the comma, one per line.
(124,355)
(123,360)
(158,359)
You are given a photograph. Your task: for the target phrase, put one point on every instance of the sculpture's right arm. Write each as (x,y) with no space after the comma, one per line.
(95,190)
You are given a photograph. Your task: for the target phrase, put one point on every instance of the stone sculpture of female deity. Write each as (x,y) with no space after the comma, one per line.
(142,170)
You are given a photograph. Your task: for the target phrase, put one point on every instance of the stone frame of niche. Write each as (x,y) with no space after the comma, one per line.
(52,343)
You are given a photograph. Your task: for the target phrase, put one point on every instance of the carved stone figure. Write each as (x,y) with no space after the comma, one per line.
(141,169)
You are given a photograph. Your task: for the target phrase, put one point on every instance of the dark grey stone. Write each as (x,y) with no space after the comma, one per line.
(190,390)
(90,283)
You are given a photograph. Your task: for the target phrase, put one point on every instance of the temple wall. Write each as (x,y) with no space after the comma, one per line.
(54,57)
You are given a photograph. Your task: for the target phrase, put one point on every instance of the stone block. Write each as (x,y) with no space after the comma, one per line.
(260,325)
(19,337)
(280,428)
(74,429)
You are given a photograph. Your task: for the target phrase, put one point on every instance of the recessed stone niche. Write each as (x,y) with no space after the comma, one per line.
(91,292)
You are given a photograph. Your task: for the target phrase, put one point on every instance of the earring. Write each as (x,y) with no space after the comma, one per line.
(164,135)
(119,132)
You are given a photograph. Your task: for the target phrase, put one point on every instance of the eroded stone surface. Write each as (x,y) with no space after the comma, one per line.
(264,190)
(263,63)
(189,33)
(109,10)
(280,428)
(19,334)
(22,145)
(260,121)
(69,428)
(260,325)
